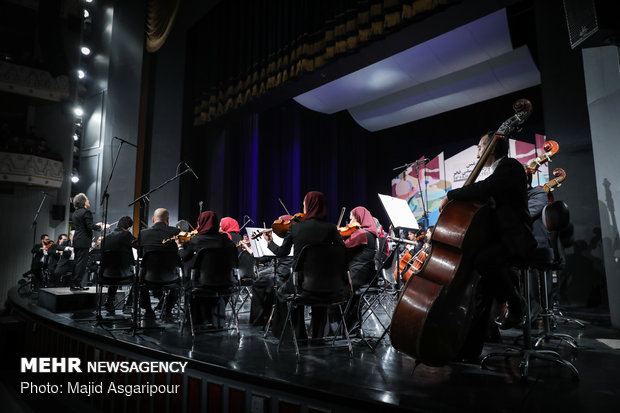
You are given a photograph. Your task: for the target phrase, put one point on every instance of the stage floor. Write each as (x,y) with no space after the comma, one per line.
(387,377)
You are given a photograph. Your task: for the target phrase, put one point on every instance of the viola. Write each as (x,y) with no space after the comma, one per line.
(280,226)
(182,236)
(349,229)
(550,148)
(560,175)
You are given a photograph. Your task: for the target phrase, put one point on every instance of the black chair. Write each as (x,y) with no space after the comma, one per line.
(116,269)
(376,304)
(246,274)
(160,270)
(321,279)
(213,276)
(540,259)
(556,219)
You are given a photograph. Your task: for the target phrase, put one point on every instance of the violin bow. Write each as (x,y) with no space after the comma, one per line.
(341,215)
(284,206)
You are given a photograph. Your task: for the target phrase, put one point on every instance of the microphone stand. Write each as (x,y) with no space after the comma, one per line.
(105,203)
(34,220)
(424,212)
(245,223)
(145,199)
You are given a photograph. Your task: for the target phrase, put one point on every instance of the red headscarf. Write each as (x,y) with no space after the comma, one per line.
(362,215)
(316,205)
(229,225)
(208,223)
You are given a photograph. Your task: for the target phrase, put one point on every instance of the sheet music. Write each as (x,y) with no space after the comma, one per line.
(399,212)
(259,245)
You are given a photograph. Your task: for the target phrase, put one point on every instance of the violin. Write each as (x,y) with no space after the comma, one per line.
(550,148)
(242,242)
(280,226)
(47,246)
(183,236)
(349,229)
(556,182)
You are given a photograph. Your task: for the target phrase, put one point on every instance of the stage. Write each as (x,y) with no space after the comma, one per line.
(230,372)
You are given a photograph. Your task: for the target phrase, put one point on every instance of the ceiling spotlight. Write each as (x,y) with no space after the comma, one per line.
(78,111)
(81,73)
(89,1)
(75,178)
(86,13)
(85,50)
(75,137)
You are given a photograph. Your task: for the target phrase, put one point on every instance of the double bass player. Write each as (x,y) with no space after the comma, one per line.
(505,190)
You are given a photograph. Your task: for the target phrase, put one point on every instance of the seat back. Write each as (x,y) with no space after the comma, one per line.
(214,267)
(323,268)
(116,264)
(160,267)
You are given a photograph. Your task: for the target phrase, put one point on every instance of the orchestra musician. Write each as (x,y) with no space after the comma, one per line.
(66,261)
(39,258)
(273,273)
(506,191)
(122,240)
(314,229)
(361,251)
(150,239)
(54,252)
(82,219)
(230,227)
(208,236)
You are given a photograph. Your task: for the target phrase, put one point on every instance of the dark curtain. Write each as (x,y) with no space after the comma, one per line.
(244,48)
(251,162)
(245,163)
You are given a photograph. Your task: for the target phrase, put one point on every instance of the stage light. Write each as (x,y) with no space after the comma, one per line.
(86,13)
(74,177)
(81,73)
(78,111)
(75,137)
(85,50)
(89,1)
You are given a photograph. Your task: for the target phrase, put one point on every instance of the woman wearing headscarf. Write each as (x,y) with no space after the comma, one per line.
(361,247)
(361,251)
(210,310)
(230,227)
(314,229)
(208,236)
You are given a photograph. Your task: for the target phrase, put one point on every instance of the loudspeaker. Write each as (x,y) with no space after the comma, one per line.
(58,212)
(592,23)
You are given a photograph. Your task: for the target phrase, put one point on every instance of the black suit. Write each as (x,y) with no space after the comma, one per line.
(82,219)
(122,241)
(300,234)
(150,240)
(506,192)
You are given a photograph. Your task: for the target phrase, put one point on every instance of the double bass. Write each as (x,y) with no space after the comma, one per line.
(433,314)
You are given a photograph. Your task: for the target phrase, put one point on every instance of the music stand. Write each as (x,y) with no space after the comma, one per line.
(401,217)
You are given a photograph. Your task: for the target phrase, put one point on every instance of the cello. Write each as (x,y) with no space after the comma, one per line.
(433,314)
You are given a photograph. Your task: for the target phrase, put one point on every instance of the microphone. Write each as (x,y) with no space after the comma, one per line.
(248,218)
(45,193)
(423,161)
(124,141)
(190,169)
